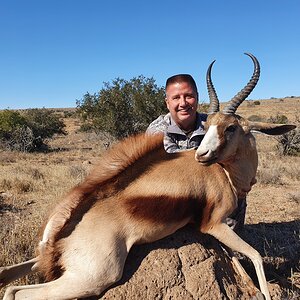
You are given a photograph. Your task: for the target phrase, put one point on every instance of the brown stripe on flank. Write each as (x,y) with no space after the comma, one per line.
(162,209)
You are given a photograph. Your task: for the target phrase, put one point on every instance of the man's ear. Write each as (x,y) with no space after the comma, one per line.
(269,128)
(167,102)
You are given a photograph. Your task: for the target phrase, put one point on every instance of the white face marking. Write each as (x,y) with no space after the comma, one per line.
(211,139)
(209,145)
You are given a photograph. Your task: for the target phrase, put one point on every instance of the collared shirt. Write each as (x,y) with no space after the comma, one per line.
(175,139)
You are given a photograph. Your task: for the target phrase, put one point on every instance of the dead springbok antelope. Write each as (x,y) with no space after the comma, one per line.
(138,194)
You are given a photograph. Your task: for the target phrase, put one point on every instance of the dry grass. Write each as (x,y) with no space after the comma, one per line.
(30,184)
(288,107)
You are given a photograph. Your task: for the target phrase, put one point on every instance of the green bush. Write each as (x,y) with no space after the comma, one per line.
(122,107)
(28,130)
(9,122)
(44,122)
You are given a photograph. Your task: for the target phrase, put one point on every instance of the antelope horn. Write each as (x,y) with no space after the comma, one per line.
(234,103)
(213,97)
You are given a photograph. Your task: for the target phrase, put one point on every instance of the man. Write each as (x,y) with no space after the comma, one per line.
(183,128)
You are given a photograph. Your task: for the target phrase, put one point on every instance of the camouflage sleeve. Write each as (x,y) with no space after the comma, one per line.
(237,219)
(170,145)
(158,125)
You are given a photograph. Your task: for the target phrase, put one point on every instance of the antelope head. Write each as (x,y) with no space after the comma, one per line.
(226,132)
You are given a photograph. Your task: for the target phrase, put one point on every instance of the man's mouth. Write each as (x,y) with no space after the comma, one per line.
(187,109)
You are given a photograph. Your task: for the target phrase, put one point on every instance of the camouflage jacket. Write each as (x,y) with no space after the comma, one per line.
(175,139)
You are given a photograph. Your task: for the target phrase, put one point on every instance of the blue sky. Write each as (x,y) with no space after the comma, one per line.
(53,52)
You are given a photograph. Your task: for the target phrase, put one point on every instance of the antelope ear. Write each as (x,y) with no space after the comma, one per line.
(269,128)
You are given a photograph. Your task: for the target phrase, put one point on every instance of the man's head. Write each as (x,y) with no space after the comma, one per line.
(182,100)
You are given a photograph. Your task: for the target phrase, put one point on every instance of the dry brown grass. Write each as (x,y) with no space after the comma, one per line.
(288,107)
(30,184)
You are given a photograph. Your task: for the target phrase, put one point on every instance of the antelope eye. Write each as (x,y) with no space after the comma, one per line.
(231,128)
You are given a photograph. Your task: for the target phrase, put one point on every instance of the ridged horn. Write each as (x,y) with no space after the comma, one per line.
(214,105)
(234,103)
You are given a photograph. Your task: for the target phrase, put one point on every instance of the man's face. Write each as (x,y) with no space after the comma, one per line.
(182,102)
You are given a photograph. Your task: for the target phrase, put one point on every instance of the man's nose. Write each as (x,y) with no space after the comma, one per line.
(182,101)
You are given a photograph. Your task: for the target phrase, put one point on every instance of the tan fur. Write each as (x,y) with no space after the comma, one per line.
(102,182)
(118,159)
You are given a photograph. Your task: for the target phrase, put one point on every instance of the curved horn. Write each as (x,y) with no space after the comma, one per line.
(213,97)
(234,103)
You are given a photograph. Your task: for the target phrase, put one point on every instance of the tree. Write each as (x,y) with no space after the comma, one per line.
(122,107)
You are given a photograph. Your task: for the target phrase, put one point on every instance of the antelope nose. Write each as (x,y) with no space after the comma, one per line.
(200,154)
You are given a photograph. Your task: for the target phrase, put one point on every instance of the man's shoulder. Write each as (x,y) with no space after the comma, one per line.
(160,124)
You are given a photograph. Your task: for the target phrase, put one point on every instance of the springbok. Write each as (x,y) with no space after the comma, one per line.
(138,193)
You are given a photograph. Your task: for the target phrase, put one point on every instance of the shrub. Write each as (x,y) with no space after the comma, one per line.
(256,102)
(256,118)
(44,123)
(289,143)
(9,122)
(21,139)
(14,132)
(278,119)
(28,131)
(122,107)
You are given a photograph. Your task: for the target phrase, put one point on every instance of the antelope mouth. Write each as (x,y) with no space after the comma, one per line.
(206,157)
(208,162)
